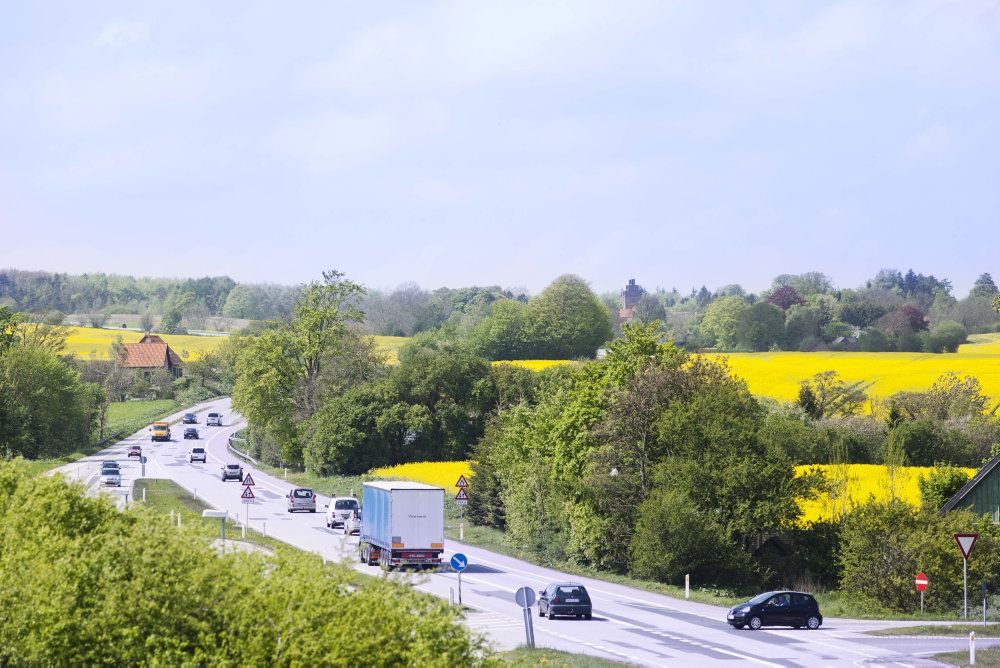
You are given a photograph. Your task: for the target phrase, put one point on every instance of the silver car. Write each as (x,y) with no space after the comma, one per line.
(301,498)
(353,523)
(111,476)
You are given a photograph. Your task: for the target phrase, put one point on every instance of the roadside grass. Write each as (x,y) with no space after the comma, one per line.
(984,657)
(950,630)
(334,485)
(126,418)
(164,496)
(832,604)
(525,657)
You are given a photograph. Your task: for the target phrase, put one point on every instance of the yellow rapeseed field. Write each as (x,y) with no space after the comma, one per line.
(86,341)
(442,474)
(855,484)
(535,365)
(778,374)
(390,345)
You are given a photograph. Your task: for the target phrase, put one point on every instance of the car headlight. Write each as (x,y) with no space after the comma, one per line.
(745,608)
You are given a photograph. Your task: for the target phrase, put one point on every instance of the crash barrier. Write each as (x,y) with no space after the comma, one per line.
(233,441)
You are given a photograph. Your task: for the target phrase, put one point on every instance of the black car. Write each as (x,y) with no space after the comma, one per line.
(564,598)
(777,608)
(190,418)
(190,432)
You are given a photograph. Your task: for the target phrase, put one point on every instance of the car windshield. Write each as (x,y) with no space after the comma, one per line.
(213,415)
(198,450)
(302,494)
(760,598)
(189,415)
(571,591)
(109,472)
(232,467)
(347,504)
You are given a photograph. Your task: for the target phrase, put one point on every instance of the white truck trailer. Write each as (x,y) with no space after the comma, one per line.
(402,524)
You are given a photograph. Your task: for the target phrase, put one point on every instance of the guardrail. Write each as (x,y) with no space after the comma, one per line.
(111,438)
(239,453)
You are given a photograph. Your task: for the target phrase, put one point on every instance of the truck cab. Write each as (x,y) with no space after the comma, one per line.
(160,431)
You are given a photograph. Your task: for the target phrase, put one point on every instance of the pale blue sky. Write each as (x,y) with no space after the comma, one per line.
(501,142)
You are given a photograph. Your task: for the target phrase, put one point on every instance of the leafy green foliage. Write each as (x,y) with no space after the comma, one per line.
(82,584)
(884,545)
(826,394)
(940,485)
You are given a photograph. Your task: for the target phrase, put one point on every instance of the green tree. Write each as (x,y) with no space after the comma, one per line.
(984,287)
(940,485)
(801,322)
(826,394)
(567,320)
(649,309)
(9,322)
(761,326)
(721,323)
(504,334)
(946,337)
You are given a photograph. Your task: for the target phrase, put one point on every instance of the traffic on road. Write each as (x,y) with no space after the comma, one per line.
(398,524)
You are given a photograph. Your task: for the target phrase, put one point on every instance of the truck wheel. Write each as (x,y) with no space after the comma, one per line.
(361,554)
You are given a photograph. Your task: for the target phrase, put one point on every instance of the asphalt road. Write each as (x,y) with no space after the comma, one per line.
(629,625)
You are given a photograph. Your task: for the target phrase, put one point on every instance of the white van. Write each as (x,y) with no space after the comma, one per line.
(340,508)
(214,420)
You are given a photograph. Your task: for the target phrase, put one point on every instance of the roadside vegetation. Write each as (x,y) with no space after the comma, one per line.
(523,657)
(84,584)
(989,657)
(949,630)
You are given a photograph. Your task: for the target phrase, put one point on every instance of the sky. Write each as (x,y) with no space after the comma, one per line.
(460,143)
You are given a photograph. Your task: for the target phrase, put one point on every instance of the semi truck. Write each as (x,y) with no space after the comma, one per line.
(402,524)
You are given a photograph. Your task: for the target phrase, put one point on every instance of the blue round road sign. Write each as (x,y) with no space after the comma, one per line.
(459,562)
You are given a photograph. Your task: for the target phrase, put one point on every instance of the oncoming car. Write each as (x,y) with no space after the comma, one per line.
(777,608)
(191,432)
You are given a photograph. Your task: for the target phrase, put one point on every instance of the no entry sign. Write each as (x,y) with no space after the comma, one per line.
(921,581)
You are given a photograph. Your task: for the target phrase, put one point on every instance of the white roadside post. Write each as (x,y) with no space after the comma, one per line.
(687,585)
(525,597)
(972,648)
(966,541)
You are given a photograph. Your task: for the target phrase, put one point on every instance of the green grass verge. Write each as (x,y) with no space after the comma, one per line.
(164,496)
(984,657)
(833,604)
(524,657)
(125,418)
(951,630)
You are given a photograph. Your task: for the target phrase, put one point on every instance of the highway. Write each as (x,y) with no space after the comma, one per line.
(629,625)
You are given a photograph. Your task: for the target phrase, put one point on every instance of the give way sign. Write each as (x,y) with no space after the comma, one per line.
(965,542)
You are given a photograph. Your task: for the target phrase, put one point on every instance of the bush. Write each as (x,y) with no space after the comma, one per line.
(82,584)
(940,485)
(945,337)
(874,341)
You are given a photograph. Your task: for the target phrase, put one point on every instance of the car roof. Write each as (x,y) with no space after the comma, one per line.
(343,498)
(232,465)
(566,584)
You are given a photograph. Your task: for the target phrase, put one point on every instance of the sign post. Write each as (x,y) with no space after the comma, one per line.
(142,460)
(247,498)
(921,582)
(966,541)
(459,562)
(461,499)
(525,597)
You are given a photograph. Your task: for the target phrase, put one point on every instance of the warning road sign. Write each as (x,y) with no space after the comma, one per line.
(248,480)
(462,482)
(247,495)
(461,498)
(921,581)
(965,543)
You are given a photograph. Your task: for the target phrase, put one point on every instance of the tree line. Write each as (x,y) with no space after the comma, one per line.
(658,463)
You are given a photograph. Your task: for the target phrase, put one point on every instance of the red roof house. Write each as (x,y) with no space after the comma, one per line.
(150,353)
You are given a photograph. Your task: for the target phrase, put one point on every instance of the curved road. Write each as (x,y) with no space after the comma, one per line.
(629,624)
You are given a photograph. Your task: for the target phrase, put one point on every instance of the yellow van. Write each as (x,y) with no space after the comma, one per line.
(161,431)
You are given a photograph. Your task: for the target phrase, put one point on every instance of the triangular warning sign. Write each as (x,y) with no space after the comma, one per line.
(247,493)
(462,482)
(248,481)
(965,542)
(461,496)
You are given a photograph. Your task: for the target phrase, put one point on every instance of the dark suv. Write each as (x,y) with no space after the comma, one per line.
(777,608)
(190,418)
(564,598)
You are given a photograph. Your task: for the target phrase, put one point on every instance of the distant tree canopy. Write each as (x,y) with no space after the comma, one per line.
(565,321)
